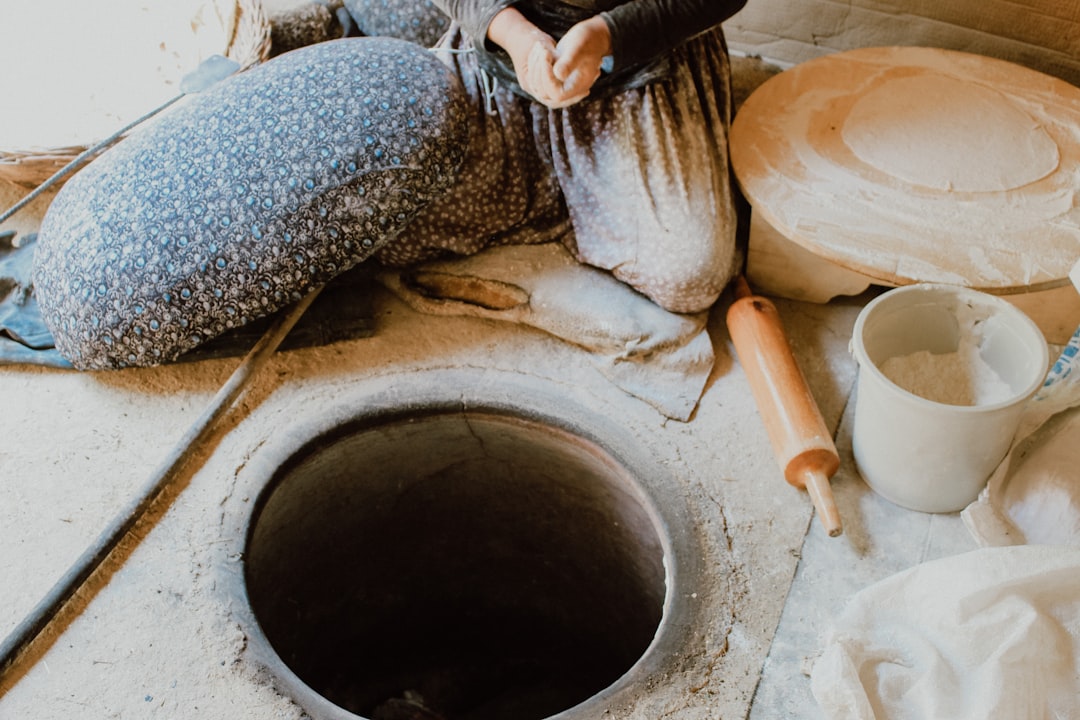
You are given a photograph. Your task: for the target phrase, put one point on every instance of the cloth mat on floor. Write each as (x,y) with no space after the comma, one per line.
(660,357)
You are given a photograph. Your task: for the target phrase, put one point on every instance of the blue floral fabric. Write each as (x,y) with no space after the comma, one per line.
(418,21)
(244,198)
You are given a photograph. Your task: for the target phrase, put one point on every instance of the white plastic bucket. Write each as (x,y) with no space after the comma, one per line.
(924,454)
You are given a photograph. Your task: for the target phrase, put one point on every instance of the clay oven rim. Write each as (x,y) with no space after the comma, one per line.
(656,486)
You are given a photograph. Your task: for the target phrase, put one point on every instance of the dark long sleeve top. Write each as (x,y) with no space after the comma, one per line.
(643,32)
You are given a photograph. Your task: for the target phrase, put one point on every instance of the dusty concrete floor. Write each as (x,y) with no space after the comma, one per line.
(159,633)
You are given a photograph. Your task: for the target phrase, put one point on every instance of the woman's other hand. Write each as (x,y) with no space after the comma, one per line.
(579,55)
(555,75)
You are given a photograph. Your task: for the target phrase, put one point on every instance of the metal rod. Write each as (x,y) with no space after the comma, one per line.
(81,158)
(76,576)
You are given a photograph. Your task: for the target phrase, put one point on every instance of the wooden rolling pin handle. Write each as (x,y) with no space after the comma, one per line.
(800,439)
(817,484)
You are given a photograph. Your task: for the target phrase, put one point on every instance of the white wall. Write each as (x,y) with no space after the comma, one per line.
(1040,34)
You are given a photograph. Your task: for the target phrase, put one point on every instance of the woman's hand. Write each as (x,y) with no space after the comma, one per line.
(555,75)
(579,55)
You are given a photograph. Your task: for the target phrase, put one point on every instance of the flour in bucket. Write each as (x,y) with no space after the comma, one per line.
(928,436)
(961,377)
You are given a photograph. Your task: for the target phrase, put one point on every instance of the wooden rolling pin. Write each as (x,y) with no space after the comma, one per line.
(801,442)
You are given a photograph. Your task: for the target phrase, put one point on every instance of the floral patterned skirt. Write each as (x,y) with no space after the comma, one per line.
(637,183)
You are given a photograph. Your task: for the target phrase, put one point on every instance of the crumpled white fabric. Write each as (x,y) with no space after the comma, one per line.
(992,634)
(660,357)
(1034,494)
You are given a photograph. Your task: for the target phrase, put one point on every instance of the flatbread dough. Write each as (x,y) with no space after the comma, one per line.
(976,122)
(943,133)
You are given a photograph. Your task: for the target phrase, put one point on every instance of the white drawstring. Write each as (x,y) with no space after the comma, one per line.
(488,83)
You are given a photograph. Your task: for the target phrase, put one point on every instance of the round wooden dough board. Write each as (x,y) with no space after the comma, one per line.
(909,164)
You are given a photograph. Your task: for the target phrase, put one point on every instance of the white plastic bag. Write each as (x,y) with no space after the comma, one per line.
(993,634)
(1034,494)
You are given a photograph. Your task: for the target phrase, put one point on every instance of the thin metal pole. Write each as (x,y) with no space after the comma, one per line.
(76,576)
(82,158)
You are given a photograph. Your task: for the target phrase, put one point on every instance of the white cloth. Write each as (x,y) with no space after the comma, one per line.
(993,634)
(1034,494)
(660,357)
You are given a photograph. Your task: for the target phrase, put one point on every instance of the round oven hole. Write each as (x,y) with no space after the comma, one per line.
(455,566)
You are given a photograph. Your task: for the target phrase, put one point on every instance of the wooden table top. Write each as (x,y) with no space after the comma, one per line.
(860,157)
